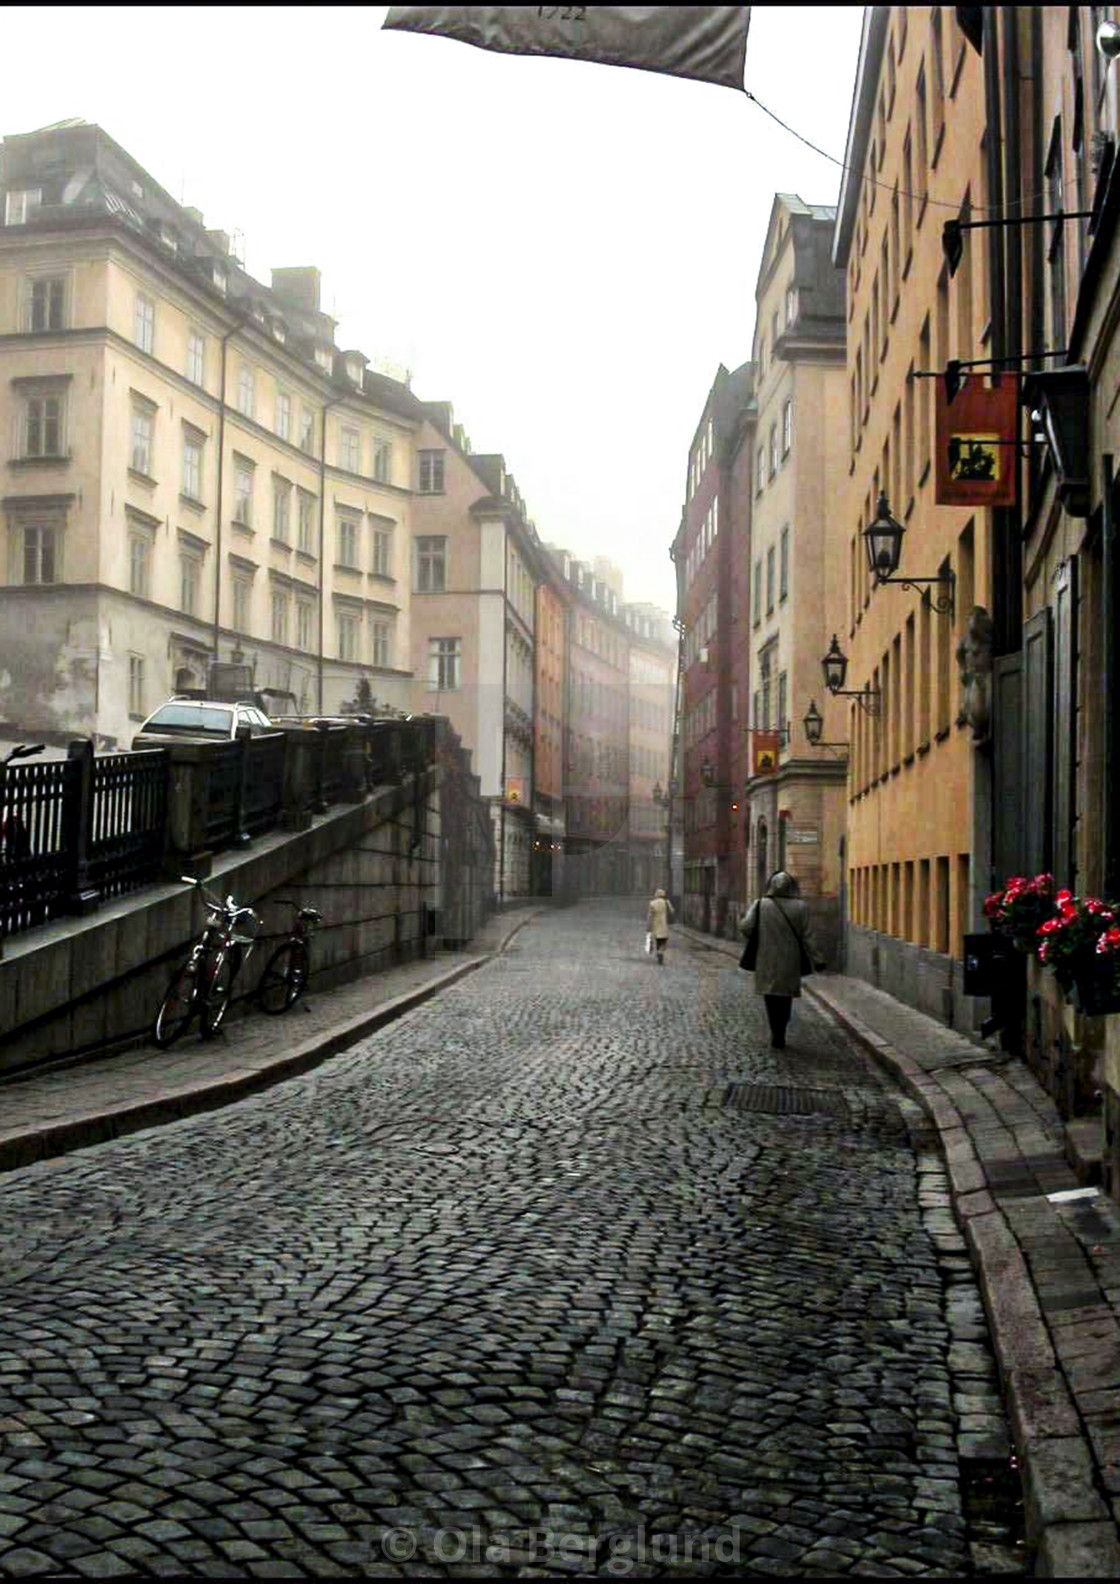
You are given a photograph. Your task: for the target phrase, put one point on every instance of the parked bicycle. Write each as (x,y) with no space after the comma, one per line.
(202,985)
(286,973)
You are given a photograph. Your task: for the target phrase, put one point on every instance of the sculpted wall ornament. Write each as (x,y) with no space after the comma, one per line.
(974,660)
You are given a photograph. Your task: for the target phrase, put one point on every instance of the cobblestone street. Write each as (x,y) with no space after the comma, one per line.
(554,1275)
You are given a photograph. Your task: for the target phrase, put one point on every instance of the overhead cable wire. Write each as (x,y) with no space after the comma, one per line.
(872,181)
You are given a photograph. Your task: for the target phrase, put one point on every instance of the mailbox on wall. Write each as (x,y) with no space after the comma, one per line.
(987,963)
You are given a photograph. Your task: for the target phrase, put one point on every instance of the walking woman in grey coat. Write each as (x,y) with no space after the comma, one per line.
(783,925)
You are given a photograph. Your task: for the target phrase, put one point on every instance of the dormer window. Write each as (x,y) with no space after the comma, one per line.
(325,358)
(169,239)
(22,205)
(354,370)
(278,330)
(219,278)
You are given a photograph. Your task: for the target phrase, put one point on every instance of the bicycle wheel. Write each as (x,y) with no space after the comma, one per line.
(215,994)
(284,979)
(177,1007)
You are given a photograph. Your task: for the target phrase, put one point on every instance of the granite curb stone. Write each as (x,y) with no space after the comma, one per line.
(21,1149)
(1069,1525)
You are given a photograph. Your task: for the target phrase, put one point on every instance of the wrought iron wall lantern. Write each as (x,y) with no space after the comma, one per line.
(952,239)
(834,665)
(814,725)
(1058,402)
(883,539)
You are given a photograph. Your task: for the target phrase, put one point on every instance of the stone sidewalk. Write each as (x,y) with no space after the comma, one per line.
(67,1108)
(1048,1265)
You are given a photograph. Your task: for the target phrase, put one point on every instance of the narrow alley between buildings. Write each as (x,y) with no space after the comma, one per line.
(564,1272)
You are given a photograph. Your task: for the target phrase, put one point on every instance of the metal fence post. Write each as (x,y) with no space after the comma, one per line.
(83,897)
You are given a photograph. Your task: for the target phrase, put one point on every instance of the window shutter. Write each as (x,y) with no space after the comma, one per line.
(1036,751)
(1065,724)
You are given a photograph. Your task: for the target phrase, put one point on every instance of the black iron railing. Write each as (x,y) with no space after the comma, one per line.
(128,821)
(81,830)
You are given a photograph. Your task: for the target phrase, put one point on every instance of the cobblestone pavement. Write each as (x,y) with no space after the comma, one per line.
(518,1286)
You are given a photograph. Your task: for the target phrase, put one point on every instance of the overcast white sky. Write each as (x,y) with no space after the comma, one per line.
(564,251)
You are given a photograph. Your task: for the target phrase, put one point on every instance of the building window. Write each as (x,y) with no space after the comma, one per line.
(1057,250)
(279,616)
(791,304)
(783,569)
(351,451)
(306,522)
(431,472)
(787,427)
(347,542)
(431,564)
(143,428)
(245,390)
(444,656)
(382,550)
(349,627)
(305,617)
(782,700)
(241,604)
(283,415)
(770,580)
(21,206)
(196,357)
(382,461)
(307,430)
(136,686)
(757,601)
(42,428)
(47,304)
(765,666)
(139,558)
(192,469)
(145,323)
(190,583)
(382,643)
(773,449)
(761,478)
(243,495)
(281,509)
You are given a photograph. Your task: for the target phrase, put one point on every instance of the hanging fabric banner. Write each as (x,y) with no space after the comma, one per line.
(977,460)
(706,43)
(765,749)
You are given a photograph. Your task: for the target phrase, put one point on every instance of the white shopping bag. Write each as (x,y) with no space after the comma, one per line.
(649,943)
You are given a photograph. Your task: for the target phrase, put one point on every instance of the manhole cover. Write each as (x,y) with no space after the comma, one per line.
(785,1102)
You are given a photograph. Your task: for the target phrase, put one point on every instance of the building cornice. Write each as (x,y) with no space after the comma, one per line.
(872,39)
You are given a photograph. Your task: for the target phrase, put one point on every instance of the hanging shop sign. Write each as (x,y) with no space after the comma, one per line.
(765,748)
(976,460)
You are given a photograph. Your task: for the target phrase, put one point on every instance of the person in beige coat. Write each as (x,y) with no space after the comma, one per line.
(784,925)
(657,922)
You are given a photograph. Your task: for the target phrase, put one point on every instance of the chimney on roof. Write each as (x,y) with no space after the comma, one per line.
(299,286)
(220,240)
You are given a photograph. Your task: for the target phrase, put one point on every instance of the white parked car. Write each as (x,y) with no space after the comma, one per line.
(200,720)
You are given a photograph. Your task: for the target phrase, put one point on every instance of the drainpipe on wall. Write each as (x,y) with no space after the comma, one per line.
(505,667)
(1110,615)
(240,325)
(334,402)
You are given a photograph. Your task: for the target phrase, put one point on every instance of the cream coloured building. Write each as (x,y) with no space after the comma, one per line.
(796,813)
(476,563)
(193,470)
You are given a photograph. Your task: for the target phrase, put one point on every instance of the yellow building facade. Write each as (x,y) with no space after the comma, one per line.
(917,843)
